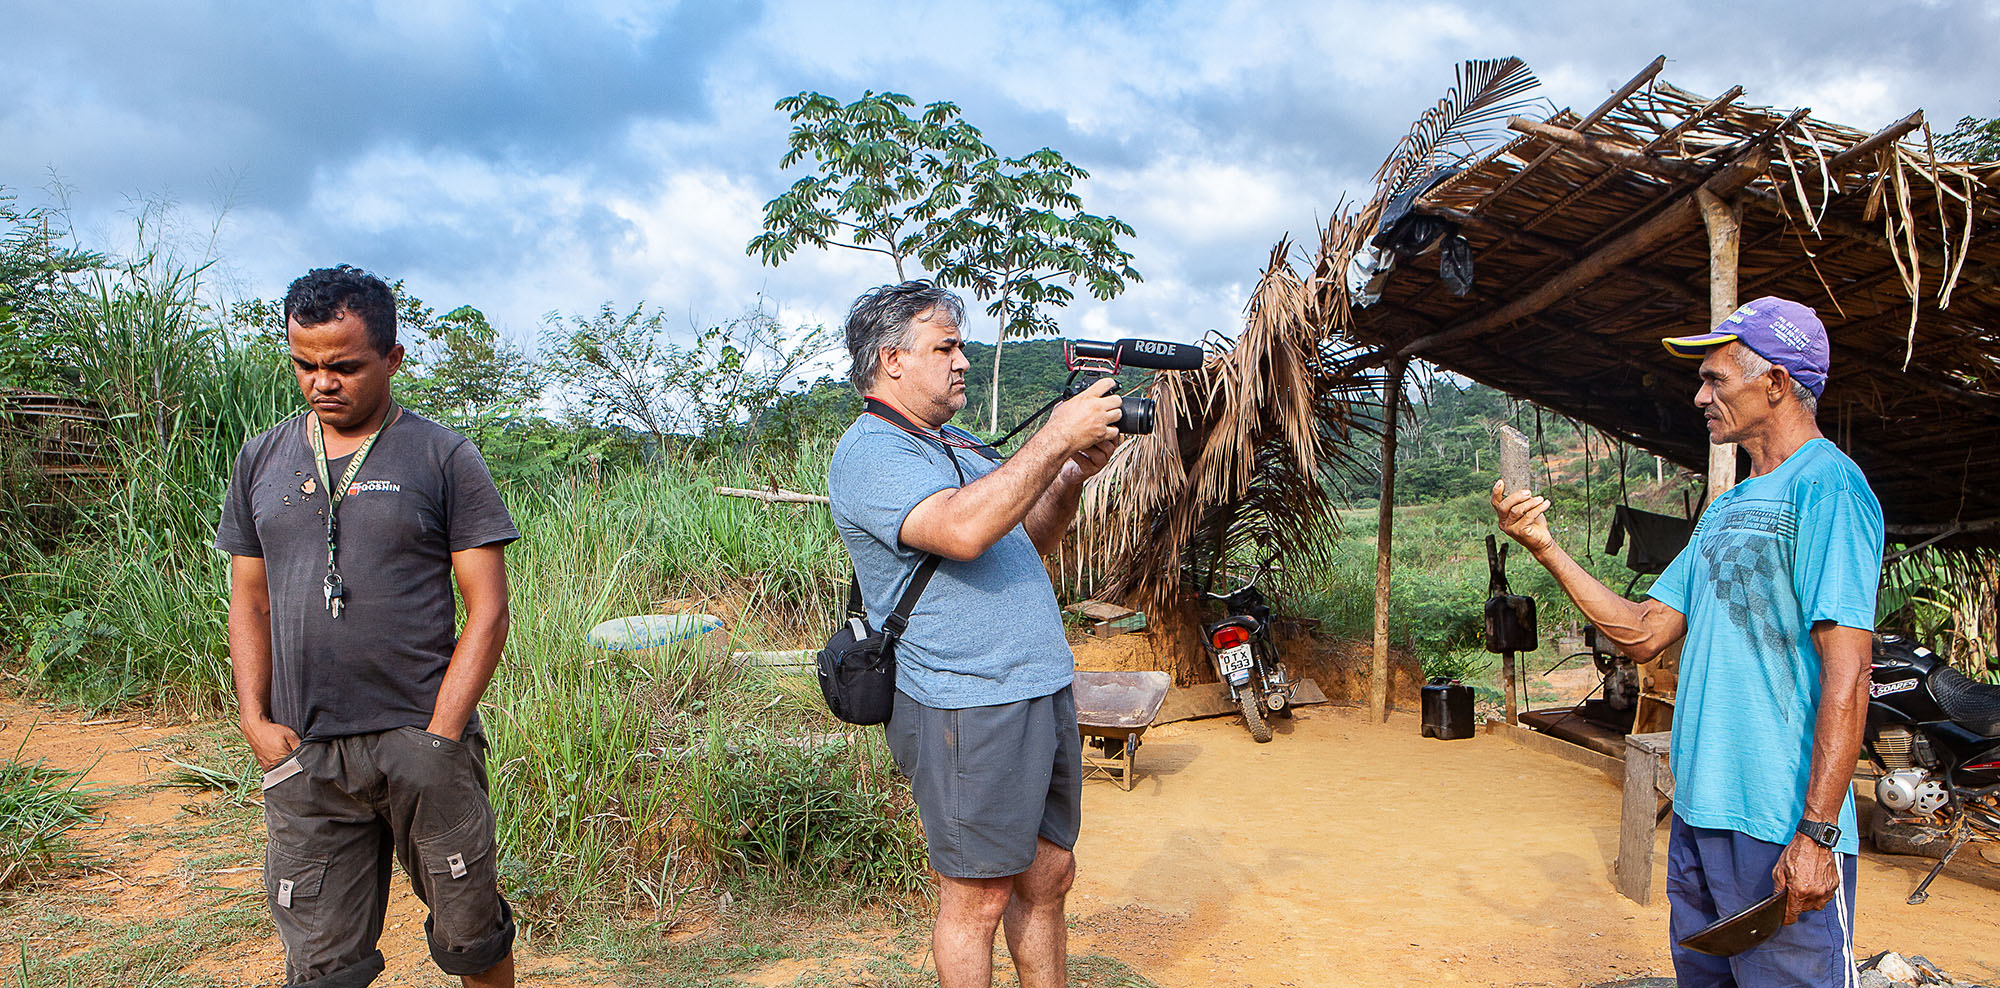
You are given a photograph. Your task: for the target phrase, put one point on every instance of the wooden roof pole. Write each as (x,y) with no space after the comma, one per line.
(1876,141)
(1669,168)
(1631,86)
(1385,526)
(1668,222)
(1724,220)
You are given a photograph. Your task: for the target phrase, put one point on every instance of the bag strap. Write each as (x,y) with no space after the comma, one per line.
(899,619)
(855,608)
(948,437)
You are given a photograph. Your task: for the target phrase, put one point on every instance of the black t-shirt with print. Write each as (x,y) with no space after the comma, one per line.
(422,494)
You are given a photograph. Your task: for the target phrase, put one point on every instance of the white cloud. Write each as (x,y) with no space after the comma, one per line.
(1213,128)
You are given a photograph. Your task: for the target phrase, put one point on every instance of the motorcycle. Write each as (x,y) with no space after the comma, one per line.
(1935,736)
(1246,658)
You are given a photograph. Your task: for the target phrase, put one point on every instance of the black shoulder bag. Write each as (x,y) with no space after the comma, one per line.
(857,668)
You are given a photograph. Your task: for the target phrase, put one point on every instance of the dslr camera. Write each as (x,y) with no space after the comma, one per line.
(1088,361)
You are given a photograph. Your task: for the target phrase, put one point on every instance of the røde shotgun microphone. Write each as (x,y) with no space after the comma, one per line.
(1088,360)
(1149,354)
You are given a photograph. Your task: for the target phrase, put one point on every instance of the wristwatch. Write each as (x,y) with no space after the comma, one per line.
(1824,834)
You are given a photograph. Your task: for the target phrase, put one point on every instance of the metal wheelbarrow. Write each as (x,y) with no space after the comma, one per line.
(1112,710)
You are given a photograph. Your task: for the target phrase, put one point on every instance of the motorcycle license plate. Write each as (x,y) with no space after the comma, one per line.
(1230,661)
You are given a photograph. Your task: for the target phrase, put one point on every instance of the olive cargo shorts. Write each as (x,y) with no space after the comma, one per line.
(337,808)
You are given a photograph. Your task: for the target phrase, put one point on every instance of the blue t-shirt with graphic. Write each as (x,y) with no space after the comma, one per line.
(1769,558)
(984,632)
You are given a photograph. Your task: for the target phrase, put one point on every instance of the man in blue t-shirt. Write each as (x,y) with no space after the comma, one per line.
(984,723)
(1774,598)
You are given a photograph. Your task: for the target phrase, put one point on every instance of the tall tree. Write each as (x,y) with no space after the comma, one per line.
(929,190)
(880,178)
(1020,235)
(1974,139)
(462,366)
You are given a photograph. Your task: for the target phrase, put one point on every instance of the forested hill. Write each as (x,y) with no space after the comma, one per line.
(1447,448)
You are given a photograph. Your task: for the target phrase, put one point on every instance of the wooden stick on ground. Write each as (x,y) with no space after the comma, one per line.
(775,495)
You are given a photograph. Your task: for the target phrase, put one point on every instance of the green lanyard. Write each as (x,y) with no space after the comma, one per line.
(315,432)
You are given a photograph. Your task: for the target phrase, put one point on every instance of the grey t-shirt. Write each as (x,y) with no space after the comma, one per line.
(422,494)
(984,632)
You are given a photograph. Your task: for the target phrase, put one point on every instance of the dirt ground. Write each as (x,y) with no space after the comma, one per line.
(184,861)
(1342,853)
(1347,853)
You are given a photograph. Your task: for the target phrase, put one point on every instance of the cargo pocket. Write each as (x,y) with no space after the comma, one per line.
(293,880)
(462,882)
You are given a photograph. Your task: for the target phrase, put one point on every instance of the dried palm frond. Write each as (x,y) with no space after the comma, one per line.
(1241,450)
(1488,90)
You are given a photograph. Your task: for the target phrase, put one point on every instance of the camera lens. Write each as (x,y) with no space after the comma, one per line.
(1135,417)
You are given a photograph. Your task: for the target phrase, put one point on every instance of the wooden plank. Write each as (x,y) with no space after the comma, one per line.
(1612,768)
(792,659)
(1385,535)
(1098,610)
(1134,621)
(1723,219)
(1875,142)
(775,495)
(1212,700)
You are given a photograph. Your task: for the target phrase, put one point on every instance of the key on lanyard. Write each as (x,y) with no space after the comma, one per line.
(334,591)
(316,432)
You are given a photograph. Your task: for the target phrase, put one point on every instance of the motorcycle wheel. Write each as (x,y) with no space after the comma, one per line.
(1253,714)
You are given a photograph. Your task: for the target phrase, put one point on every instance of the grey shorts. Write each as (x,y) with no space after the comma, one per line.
(989,780)
(337,809)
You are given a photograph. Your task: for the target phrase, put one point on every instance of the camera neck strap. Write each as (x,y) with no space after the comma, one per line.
(946,437)
(899,619)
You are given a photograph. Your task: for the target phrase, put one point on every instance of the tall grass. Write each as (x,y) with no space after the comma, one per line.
(131,607)
(38,805)
(639,776)
(621,779)
(1439,585)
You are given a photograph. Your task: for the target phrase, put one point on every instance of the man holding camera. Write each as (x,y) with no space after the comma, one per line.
(1775,598)
(984,723)
(346,527)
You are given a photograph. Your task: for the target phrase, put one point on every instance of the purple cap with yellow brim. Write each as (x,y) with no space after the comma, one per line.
(1783,332)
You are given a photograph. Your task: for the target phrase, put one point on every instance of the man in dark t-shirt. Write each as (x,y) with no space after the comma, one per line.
(346,527)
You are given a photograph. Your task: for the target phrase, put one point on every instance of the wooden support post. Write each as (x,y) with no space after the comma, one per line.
(1385,525)
(1724,220)
(1646,780)
(1507,681)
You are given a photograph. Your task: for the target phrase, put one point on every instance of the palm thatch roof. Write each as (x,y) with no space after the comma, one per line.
(1589,245)
(1588,242)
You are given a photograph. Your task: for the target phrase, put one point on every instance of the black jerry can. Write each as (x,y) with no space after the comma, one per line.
(1510,623)
(1447,710)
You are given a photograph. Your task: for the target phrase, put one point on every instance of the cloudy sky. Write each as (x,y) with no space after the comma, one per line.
(528,158)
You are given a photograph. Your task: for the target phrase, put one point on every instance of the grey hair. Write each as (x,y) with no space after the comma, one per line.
(886,317)
(1752,364)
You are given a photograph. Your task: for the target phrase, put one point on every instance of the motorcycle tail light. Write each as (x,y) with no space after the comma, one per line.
(1229,637)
